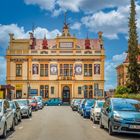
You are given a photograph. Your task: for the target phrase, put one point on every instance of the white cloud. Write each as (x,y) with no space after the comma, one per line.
(110,70)
(19,32)
(76,26)
(43,4)
(119,57)
(76,5)
(112,23)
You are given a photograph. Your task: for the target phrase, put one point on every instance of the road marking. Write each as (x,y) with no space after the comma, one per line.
(30,119)
(21,127)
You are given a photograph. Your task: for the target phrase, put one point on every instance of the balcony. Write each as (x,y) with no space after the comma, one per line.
(66,78)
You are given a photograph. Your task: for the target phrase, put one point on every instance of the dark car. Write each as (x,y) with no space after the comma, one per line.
(75,104)
(16,110)
(87,107)
(54,102)
(121,115)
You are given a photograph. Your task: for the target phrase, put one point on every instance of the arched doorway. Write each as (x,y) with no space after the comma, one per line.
(66,94)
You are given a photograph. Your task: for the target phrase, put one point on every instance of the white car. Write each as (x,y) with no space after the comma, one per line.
(95,112)
(6,118)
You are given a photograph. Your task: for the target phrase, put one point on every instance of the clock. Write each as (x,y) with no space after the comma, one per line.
(78,69)
(53,69)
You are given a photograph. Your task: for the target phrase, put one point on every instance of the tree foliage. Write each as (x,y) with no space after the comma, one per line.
(133,51)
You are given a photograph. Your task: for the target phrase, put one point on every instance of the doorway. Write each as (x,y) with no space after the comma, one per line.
(66,94)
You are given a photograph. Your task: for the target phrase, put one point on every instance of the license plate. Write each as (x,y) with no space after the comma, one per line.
(134,126)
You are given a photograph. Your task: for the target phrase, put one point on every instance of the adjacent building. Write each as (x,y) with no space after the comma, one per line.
(122,71)
(64,67)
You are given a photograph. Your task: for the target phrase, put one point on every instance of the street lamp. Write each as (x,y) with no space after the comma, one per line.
(28,92)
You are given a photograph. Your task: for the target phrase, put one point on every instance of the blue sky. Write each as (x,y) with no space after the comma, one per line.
(84,16)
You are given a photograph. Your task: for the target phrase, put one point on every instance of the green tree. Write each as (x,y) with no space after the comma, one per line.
(133,51)
(122,90)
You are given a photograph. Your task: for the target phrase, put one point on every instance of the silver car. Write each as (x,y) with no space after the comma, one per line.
(26,109)
(6,118)
(17,112)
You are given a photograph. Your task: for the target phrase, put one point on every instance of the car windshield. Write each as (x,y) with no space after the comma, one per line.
(127,105)
(100,104)
(89,102)
(12,105)
(0,106)
(22,102)
(32,101)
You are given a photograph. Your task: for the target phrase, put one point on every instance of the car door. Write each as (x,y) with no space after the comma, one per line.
(17,109)
(8,113)
(106,112)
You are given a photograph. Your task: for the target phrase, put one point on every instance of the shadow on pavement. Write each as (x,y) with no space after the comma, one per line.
(125,136)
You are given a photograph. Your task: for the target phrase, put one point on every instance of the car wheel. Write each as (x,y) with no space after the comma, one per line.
(4,131)
(100,123)
(110,128)
(94,121)
(84,115)
(28,115)
(59,104)
(16,120)
(31,114)
(20,118)
(13,126)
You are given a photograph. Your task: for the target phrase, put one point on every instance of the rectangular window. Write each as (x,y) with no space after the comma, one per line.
(66,69)
(87,70)
(52,90)
(96,88)
(44,91)
(43,70)
(18,70)
(79,90)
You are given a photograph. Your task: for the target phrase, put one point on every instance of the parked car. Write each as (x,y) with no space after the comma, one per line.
(72,101)
(6,118)
(26,109)
(54,102)
(76,102)
(39,101)
(81,106)
(33,104)
(95,112)
(121,115)
(87,107)
(16,110)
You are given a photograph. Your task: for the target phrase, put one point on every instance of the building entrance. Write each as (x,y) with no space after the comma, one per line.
(66,94)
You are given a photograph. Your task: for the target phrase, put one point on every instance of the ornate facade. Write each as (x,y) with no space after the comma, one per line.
(64,67)
(122,76)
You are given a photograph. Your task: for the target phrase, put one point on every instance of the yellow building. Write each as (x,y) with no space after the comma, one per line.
(64,67)
(122,71)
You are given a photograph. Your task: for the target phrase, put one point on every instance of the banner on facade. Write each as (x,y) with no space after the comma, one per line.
(35,68)
(1,94)
(53,69)
(19,87)
(78,69)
